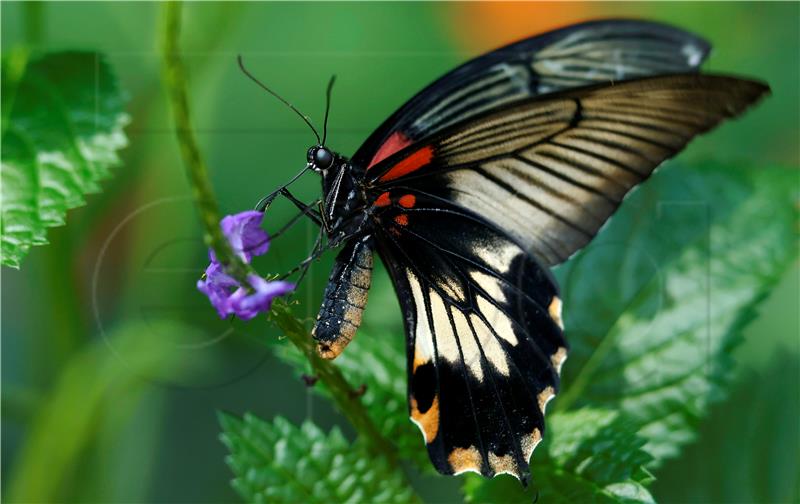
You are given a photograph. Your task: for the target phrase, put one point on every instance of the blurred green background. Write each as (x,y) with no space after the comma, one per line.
(113,365)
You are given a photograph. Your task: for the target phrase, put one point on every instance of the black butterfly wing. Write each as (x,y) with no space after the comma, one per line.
(464,219)
(485,344)
(578,55)
(550,170)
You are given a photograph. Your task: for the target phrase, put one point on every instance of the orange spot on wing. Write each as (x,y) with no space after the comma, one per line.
(465,459)
(414,162)
(392,144)
(401,219)
(383,200)
(428,422)
(407,201)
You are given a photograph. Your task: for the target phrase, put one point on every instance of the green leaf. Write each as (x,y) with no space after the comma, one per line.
(673,281)
(62,127)
(589,455)
(754,436)
(278,462)
(379,364)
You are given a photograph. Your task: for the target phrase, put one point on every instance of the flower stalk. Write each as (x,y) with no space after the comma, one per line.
(344,395)
(176,83)
(174,74)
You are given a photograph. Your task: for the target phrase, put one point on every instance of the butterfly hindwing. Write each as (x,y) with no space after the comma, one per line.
(485,343)
(578,55)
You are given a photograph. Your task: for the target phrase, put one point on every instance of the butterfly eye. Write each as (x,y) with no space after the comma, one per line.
(323,158)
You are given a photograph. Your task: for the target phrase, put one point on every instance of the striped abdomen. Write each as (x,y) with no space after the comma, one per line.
(345,298)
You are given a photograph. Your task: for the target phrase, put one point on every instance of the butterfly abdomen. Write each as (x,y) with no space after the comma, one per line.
(344,299)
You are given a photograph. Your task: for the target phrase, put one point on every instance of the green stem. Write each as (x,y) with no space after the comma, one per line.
(174,73)
(343,394)
(175,79)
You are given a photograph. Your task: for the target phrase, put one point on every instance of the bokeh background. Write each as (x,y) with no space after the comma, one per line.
(113,365)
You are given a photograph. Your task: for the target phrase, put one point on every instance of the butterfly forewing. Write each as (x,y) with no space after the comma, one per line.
(549,171)
(578,55)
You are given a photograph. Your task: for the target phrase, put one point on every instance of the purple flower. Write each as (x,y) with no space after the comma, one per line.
(243,231)
(218,287)
(247,306)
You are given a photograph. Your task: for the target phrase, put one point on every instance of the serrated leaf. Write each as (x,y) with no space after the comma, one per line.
(279,462)
(62,128)
(379,364)
(589,455)
(674,280)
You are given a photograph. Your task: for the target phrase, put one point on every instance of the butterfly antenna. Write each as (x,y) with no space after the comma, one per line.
(276,95)
(327,108)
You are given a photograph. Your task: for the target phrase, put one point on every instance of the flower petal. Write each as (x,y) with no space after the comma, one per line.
(215,274)
(219,296)
(245,235)
(248,306)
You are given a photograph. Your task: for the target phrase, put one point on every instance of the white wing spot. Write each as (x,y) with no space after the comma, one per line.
(452,288)
(423,339)
(491,347)
(501,324)
(497,256)
(445,339)
(469,347)
(693,54)
(490,284)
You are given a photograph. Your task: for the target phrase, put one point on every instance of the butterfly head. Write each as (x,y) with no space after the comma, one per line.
(320,158)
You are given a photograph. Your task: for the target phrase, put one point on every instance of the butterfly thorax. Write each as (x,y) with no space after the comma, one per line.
(343,202)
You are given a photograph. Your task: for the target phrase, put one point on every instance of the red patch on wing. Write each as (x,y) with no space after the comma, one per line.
(407,201)
(393,144)
(401,219)
(383,200)
(414,162)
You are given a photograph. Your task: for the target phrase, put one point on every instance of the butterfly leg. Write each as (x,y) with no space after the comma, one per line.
(317,251)
(310,211)
(305,212)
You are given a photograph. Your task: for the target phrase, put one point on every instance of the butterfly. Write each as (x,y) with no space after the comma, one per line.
(475,187)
